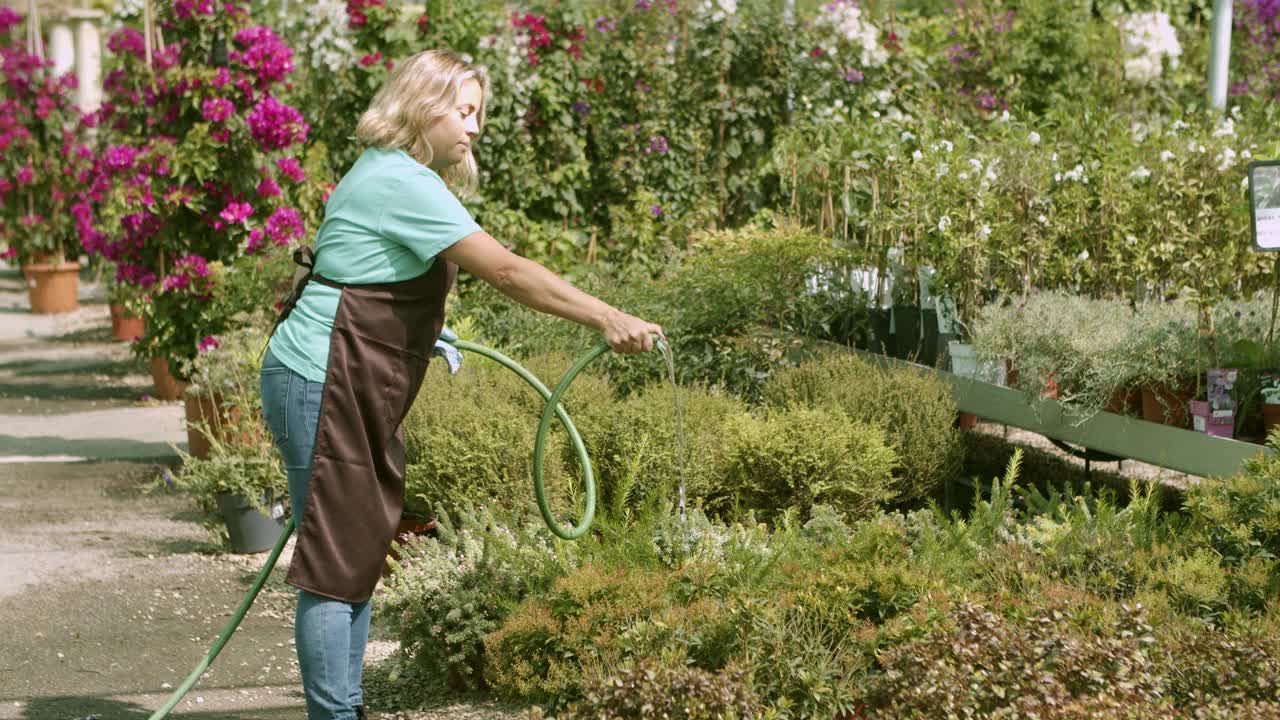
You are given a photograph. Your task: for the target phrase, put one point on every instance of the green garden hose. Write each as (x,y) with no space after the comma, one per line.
(552,407)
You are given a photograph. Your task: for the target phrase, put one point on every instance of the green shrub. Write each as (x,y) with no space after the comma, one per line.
(798,458)
(1208,667)
(470,436)
(915,411)
(636,453)
(448,592)
(1239,517)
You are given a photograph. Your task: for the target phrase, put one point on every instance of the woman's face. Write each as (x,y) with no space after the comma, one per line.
(450,137)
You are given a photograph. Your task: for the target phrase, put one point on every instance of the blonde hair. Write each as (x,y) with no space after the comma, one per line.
(420,91)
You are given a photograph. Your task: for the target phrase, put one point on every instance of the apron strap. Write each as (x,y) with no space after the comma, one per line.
(304,256)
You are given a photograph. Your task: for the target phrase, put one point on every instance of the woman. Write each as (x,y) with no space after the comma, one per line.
(347,358)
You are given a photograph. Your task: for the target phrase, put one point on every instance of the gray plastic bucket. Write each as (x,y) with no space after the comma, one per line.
(250,530)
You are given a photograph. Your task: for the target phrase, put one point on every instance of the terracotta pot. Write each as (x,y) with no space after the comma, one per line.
(966,421)
(52,288)
(125,326)
(168,387)
(1125,401)
(1167,406)
(409,527)
(213,413)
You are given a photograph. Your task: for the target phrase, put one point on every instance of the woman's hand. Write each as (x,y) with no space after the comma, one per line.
(628,333)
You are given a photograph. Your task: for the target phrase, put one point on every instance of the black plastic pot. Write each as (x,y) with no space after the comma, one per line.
(906,331)
(878,338)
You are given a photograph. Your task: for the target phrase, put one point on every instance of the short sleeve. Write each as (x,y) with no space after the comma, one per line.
(423,215)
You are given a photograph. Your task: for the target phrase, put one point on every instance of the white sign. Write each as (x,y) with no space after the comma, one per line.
(1264,203)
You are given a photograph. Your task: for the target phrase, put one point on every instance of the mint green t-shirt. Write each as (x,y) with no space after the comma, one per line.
(385,221)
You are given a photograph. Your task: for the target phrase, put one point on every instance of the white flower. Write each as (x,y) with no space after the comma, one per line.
(963,176)
(1131,240)
(1142,173)
(1042,220)
(1053,158)
(943,169)
(1166,156)
(907,136)
(1057,177)
(844,20)
(1084,255)
(975,163)
(1178,124)
(1148,39)
(1226,159)
(1034,137)
(985,231)
(884,97)
(944,223)
(990,175)
(1004,116)
(875,113)
(1246,155)
(917,155)
(1227,128)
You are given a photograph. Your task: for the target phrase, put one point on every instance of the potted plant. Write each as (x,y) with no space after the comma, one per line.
(43,169)
(222,401)
(127,324)
(244,495)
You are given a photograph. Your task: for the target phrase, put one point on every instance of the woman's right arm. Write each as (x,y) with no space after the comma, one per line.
(531,284)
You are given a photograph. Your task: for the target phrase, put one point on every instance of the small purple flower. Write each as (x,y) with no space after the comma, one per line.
(119,158)
(285,224)
(583,109)
(268,188)
(656,210)
(605,25)
(291,168)
(217,109)
(276,126)
(657,144)
(853,75)
(644,4)
(236,212)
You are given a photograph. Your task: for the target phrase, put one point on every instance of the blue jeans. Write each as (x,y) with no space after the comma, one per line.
(331,634)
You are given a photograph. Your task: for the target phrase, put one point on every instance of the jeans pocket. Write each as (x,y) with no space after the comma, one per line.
(275,383)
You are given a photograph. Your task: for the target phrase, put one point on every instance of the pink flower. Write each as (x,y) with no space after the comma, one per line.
(210,342)
(370,59)
(276,126)
(30,220)
(236,212)
(265,54)
(26,175)
(217,109)
(291,168)
(268,188)
(8,18)
(222,78)
(127,41)
(284,224)
(9,252)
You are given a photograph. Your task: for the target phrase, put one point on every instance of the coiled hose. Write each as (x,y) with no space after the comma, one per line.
(550,409)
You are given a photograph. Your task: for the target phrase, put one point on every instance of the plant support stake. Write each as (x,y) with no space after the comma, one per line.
(1220,54)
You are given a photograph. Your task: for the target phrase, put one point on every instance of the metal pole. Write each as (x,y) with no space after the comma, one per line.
(1220,54)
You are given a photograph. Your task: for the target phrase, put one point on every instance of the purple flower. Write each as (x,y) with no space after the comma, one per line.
(265,54)
(254,242)
(127,41)
(268,188)
(656,210)
(285,224)
(119,158)
(276,126)
(210,342)
(291,168)
(644,4)
(605,25)
(217,109)
(853,75)
(657,144)
(236,212)
(582,108)
(8,18)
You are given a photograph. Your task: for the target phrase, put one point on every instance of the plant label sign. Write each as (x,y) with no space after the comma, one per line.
(1264,203)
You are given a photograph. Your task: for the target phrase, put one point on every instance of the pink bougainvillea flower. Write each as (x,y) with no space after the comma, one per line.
(236,212)
(275,126)
(216,109)
(291,168)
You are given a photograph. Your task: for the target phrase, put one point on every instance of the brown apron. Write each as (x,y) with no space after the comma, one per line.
(383,335)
